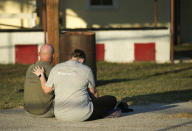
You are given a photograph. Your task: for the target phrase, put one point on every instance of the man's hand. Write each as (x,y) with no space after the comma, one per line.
(38,71)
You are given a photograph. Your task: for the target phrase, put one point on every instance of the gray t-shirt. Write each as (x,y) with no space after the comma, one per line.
(70,81)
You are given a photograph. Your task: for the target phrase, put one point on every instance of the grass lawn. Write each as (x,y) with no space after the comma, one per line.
(11,86)
(137,83)
(144,83)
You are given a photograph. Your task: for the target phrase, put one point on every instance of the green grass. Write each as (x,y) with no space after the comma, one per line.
(144,83)
(137,83)
(11,85)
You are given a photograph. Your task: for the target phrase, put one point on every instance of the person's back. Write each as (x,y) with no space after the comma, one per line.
(71,96)
(36,102)
(76,97)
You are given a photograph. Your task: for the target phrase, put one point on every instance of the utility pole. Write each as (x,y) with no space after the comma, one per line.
(53,26)
(155,12)
(172,32)
(44,14)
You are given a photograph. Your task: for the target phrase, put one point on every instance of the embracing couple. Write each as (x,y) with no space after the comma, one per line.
(66,91)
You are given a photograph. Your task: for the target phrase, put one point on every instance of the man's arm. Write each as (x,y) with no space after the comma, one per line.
(91,86)
(93,93)
(40,73)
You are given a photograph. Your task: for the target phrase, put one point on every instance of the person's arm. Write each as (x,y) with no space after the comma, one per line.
(40,73)
(93,93)
(91,86)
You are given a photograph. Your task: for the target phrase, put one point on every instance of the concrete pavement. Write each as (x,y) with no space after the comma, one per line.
(154,117)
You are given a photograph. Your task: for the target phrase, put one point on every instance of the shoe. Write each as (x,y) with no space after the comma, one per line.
(124,107)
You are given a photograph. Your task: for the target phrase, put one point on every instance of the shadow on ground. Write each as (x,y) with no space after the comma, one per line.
(105,82)
(168,97)
(176,97)
(176,126)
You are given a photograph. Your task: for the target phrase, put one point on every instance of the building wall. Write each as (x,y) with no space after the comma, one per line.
(186,20)
(17,13)
(119,45)
(10,39)
(129,13)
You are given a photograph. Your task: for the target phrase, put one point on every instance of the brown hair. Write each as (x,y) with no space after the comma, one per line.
(77,53)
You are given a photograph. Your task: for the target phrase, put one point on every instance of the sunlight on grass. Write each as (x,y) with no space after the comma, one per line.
(137,83)
(11,86)
(144,83)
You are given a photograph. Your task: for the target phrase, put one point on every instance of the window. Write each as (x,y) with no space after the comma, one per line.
(102,4)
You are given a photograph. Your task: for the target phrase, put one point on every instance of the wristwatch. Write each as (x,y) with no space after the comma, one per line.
(39,75)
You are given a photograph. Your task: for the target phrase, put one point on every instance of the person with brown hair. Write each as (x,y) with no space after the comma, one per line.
(76,97)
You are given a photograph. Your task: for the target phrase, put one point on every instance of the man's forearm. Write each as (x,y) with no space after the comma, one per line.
(40,73)
(43,81)
(93,93)
(96,94)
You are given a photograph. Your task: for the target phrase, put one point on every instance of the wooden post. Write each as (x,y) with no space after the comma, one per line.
(53,26)
(172,33)
(155,12)
(44,14)
(177,23)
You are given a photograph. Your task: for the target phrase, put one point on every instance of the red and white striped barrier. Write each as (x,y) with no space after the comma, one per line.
(112,46)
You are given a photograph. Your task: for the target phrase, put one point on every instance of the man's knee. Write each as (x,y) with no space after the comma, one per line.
(111,98)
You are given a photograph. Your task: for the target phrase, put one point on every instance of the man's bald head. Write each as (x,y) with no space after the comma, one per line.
(46,52)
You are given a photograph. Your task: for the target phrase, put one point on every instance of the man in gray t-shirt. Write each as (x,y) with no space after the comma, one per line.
(73,83)
(70,81)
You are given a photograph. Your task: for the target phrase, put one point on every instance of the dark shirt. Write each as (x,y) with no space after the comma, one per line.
(35,100)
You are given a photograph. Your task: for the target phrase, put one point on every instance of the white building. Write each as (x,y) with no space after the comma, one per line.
(125,28)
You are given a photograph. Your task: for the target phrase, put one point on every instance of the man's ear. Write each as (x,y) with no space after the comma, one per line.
(53,56)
